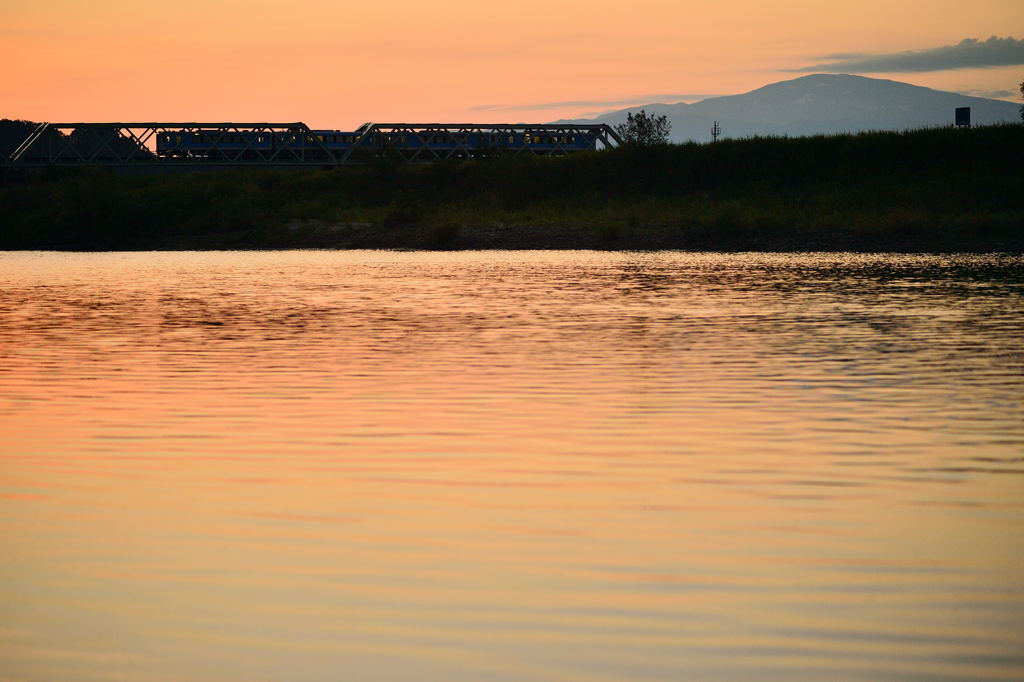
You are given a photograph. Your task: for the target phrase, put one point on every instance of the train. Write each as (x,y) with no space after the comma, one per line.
(411,142)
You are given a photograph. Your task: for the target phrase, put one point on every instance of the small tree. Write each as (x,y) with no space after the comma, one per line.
(643,129)
(1022,95)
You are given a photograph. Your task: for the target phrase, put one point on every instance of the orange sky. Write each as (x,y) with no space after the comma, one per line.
(337,64)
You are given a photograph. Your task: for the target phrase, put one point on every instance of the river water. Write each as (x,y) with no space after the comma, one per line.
(559,466)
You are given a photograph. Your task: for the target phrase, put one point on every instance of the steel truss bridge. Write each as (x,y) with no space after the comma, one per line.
(151,145)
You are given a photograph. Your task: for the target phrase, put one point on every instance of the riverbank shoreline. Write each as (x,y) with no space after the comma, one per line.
(928,191)
(468,237)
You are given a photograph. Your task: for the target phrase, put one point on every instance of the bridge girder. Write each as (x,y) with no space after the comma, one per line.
(134,144)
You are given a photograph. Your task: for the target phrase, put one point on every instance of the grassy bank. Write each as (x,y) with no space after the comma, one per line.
(940,189)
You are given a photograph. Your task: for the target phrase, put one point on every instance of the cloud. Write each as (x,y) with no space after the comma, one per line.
(541,106)
(990,94)
(968,53)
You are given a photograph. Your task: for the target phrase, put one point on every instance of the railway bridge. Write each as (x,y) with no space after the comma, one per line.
(207,145)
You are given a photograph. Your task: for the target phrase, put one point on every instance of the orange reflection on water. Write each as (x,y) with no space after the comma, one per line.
(509,466)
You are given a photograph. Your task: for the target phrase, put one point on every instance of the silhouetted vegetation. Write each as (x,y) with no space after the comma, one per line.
(12,134)
(643,129)
(940,189)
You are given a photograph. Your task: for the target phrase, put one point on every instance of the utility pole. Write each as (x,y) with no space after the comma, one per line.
(716,130)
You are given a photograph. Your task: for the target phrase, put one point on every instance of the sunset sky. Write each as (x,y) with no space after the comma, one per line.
(338,64)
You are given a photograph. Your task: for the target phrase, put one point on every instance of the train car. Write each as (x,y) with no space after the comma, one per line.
(548,142)
(413,143)
(317,144)
(214,144)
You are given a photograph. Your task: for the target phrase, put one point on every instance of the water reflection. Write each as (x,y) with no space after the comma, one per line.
(549,466)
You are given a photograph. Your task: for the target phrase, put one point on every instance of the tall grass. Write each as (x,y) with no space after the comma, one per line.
(867,185)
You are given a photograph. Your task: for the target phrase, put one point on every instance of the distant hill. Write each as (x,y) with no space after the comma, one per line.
(821,103)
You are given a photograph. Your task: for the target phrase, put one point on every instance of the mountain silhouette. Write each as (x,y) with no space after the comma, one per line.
(820,104)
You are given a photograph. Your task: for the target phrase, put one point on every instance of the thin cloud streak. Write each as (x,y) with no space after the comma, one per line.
(542,106)
(989,94)
(968,53)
